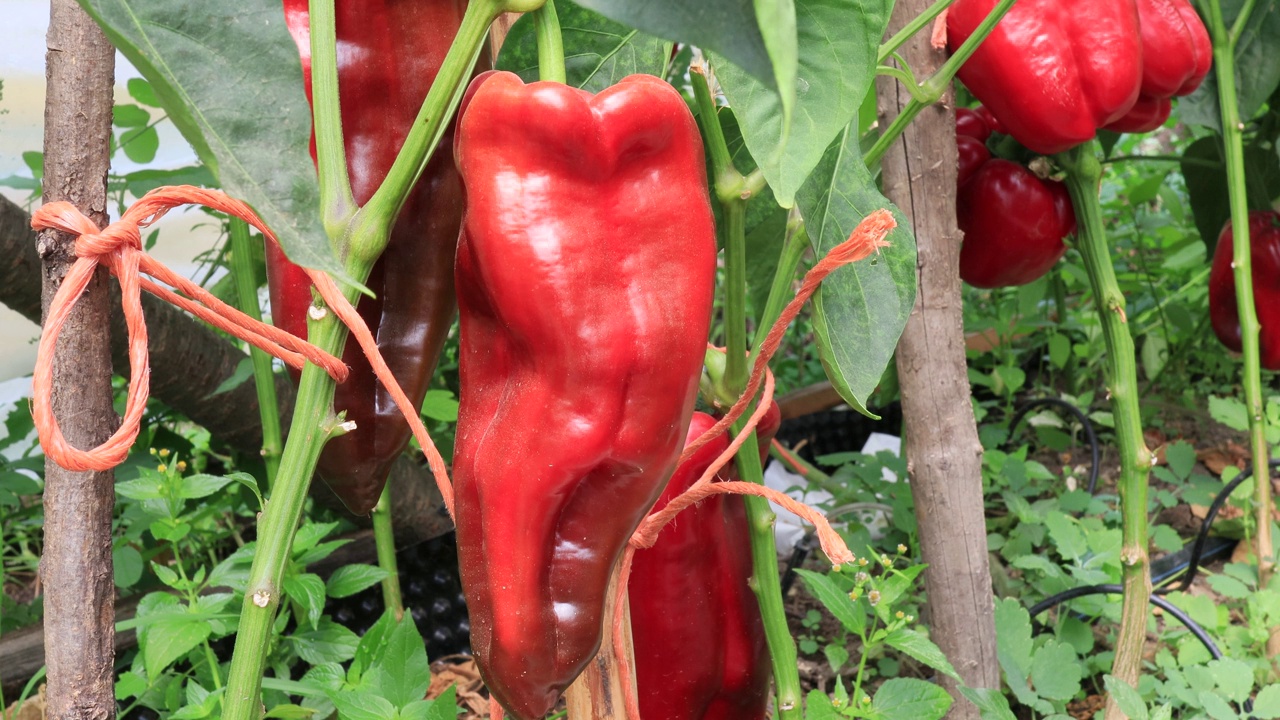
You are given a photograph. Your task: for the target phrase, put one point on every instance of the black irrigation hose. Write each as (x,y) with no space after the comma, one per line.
(1095,449)
(1193,564)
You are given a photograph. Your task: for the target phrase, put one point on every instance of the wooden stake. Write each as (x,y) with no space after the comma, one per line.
(597,693)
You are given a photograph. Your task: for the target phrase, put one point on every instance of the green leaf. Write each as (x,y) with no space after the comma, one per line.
(1217,708)
(1066,534)
(849,613)
(229,77)
(145,487)
(598,52)
(837,656)
(440,404)
(728,27)
(1056,671)
(351,579)
(1257,68)
(140,144)
(1181,457)
(362,706)
(129,116)
(1234,678)
(911,699)
(127,565)
(402,674)
(916,645)
(818,707)
(1230,412)
(1204,167)
(371,646)
(141,91)
(141,182)
(991,703)
(1128,698)
(1266,706)
(444,707)
(1229,587)
(329,642)
(310,534)
(838,41)
(201,485)
(1013,639)
(307,590)
(289,711)
(861,309)
(165,641)
(243,371)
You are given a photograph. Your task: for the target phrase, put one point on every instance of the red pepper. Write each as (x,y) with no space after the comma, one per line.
(1052,71)
(1014,224)
(585,275)
(699,640)
(1176,54)
(1264,254)
(388,54)
(972,131)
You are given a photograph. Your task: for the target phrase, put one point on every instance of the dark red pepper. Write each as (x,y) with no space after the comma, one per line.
(699,641)
(388,54)
(1014,224)
(1264,246)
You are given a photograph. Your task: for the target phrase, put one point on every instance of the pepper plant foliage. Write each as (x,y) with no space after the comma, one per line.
(253,131)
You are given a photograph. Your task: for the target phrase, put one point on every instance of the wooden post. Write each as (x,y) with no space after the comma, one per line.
(76,565)
(597,693)
(944,456)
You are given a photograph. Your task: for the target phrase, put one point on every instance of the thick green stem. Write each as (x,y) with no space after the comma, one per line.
(732,190)
(337,203)
(781,291)
(313,421)
(1084,173)
(931,90)
(375,219)
(550,44)
(384,539)
(264,377)
(1242,265)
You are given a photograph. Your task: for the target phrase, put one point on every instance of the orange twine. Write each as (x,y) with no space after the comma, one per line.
(865,239)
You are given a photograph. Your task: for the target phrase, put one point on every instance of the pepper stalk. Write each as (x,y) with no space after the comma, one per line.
(1224,49)
(1084,174)
(264,378)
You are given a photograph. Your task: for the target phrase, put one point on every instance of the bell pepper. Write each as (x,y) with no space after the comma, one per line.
(1053,71)
(972,131)
(699,640)
(388,54)
(1176,55)
(1264,253)
(585,274)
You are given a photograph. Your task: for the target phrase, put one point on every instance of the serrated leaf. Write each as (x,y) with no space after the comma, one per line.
(598,52)
(911,699)
(1234,678)
(990,702)
(849,613)
(1066,534)
(837,42)
(1126,697)
(329,642)
(126,565)
(1013,639)
(1055,671)
(307,590)
(362,706)
(1266,706)
(440,404)
(402,674)
(229,77)
(241,375)
(1229,587)
(202,485)
(168,640)
(910,642)
(1217,708)
(861,309)
(444,707)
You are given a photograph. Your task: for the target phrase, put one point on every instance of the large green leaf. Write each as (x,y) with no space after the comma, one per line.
(861,309)
(229,77)
(1204,167)
(764,48)
(1257,67)
(838,42)
(598,52)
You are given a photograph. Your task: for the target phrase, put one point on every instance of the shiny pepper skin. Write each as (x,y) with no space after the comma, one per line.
(699,640)
(388,54)
(1052,71)
(1264,244)
(585,275)
(1014,223)
(1176,55)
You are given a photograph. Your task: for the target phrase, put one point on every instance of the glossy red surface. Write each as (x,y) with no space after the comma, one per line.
(1264,255)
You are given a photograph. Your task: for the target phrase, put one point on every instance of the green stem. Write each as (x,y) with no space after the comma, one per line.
(550,44)
(909,30)
(781,292)
(372,224)
(385,541)
(337,203)
(1242,265)
(264,378)
(931,90)
(1084,174)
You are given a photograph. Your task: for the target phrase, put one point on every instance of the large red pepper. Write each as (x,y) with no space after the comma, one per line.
(699,640)
(1176,54)
(585,275)
(388,54)
(1264,247)
(1052,71)
(1014,222)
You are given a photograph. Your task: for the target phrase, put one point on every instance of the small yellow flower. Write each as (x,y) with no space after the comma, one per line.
(873,597)
(164,453)
(182,466)
(862,562)
(866,699)
(900,615)
(902,548)
(162,467)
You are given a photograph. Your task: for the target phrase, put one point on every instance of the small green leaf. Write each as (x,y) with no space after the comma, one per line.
(849,613)
(911,699)
(140,144)
(818,707)
(440,404)
(145,487)
(1126,697)
(402,674)
(1267,705)
(329,642)
(141,91)
(127,566)
(444,707)
(242,374)
(1056,671)
(1229,587)
(916,645)
(362,706)
(1013,639)
(288,711)
(991,703)
(1234,678)
(129,116)
(1217,708)
(351,579)
(307,590)
(201,485)
(168,640)
(837,656)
